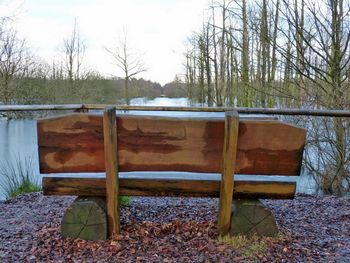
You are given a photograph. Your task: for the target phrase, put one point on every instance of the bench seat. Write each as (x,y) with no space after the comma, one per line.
(170,184)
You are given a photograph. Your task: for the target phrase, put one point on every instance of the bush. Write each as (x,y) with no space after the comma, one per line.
(18,177)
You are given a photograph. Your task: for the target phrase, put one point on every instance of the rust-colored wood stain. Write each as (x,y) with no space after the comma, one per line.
(74,143)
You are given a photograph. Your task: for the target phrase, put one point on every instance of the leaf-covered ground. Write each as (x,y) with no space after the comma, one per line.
(175,230)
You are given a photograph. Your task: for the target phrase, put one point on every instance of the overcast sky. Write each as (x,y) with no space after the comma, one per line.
(156,28)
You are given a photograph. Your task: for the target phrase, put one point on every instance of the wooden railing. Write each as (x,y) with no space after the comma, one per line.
(266,111)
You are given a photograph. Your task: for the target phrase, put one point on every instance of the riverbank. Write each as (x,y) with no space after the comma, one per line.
(174,230)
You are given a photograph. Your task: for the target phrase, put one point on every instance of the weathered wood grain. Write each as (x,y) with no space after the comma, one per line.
(227,174)
(74,143)
(252,217)
(167,185)
(85,218)
(111,164)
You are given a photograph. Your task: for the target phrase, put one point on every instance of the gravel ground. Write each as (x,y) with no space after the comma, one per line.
(175,230)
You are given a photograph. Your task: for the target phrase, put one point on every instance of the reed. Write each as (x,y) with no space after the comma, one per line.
(18,177)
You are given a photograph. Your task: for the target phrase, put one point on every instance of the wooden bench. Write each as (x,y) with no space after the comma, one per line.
(110,144)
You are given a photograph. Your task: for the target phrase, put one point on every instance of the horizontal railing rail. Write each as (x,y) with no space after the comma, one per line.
(266,111)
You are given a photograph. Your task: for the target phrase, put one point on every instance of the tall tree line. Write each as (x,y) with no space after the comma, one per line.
(271,53)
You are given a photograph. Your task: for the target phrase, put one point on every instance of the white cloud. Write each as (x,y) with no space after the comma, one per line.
(154,27)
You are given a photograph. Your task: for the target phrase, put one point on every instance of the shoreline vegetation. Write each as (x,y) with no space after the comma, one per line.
(18,176)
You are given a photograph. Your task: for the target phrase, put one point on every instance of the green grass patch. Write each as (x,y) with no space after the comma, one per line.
(125,200)
(18,177)
(24,187)
(247,246)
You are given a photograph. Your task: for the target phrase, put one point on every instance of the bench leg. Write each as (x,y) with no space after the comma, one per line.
(251,217)
(85,218)
(228,169)
(111,166)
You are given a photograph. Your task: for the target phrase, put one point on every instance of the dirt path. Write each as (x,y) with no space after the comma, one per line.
(174,230)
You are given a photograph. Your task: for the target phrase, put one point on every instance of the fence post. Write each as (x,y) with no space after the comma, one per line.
(111,167)
(228,168)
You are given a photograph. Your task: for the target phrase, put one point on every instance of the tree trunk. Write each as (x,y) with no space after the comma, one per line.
(245,57)
(85,218)
(251,217)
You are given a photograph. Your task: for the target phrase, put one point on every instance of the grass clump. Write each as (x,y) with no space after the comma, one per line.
(18,177)
(125,200)
(247,246)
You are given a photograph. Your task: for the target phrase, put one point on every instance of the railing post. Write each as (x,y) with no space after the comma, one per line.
(228,168)
(111,167)
(82,109)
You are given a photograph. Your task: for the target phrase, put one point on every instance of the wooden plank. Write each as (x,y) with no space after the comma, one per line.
(165,185)
(228,168)
(111,164)
(41,107)
(74,143)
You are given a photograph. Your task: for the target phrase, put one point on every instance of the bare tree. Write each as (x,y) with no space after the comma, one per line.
(13,60)
(128,61)
(22,77)
(245,55)
(208,70)
(191,70)
(74,50)
(322,77)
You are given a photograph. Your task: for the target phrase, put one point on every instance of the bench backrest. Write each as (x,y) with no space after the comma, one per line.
(74,143)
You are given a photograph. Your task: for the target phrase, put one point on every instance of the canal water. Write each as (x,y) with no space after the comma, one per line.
(18,141)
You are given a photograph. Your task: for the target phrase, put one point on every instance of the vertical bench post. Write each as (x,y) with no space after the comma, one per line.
(228,168)
(111,167)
